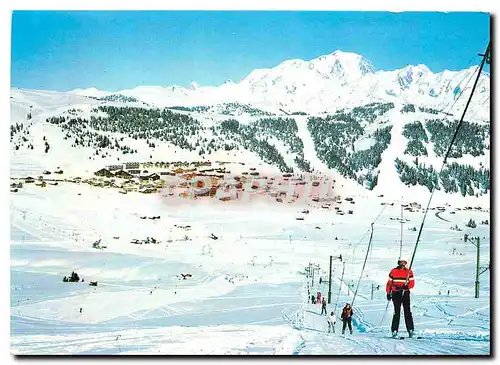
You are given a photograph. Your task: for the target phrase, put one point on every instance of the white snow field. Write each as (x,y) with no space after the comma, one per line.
(247,293)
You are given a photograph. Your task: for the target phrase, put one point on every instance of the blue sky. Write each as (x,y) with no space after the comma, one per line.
(114,50)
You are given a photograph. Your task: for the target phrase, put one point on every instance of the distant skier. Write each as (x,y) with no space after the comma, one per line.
(399,292)
(81,310)
(323,306)
(346,318)
(318,297)
(313,299)
(331,323)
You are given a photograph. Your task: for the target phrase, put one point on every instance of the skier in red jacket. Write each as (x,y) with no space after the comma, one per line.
(399,292)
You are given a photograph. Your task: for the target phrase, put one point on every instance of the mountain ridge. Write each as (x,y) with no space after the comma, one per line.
(322,84)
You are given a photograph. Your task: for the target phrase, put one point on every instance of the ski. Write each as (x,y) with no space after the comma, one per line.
(402,337)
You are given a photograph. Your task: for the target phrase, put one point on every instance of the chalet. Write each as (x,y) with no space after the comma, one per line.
(123,174)
(58,172)
(46,172)
(154,176)
(315,183)
(29,180)
(104,173)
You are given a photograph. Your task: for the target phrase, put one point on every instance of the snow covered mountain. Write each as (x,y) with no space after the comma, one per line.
(325,84)
(384,131)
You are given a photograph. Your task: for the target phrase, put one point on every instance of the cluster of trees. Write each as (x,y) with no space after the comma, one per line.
(370,158)
(47,146)
(231,109)
(237,108)
(469,140)
(370,112)
(416,135)
(417,175)
(78,129)
(198,109)
(73,278)
(119,98)
(453,178)
(428,110)
(179,129)
(14,129)
(471,223)
(284,129)
(255,137)
(302,163)
(408,108)
(18,136)
(334,137)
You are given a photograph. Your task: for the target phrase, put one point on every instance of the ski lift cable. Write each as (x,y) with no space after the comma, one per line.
(366,233)
(338,293)
(441,169)
(364,264)
(461,90)
(368,230)
(446,158)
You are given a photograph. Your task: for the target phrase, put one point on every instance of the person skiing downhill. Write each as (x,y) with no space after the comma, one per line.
(399,292)
(346,317)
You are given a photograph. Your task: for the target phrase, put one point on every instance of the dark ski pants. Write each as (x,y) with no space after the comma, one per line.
(323,310)
(347,322)
(399,298)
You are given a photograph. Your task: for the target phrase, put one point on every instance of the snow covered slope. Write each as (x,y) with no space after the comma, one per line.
(247,293)
(322,115)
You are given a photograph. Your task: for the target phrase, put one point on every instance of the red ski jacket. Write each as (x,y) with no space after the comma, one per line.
(397,278)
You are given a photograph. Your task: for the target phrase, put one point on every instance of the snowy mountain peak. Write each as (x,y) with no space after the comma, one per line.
(194,86)
(345,65)
(91,91)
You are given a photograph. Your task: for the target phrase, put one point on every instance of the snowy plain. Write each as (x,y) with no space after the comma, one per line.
(247,293)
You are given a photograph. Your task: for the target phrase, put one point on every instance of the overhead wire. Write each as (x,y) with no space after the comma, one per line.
(443,164)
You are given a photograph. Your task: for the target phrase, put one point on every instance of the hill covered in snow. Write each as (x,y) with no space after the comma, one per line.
(382,131)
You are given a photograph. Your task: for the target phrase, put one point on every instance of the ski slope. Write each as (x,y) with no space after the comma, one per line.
(247,293)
